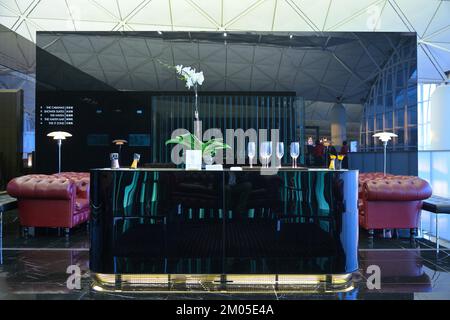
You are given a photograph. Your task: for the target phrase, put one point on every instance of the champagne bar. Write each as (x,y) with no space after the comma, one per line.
(156,225)
(213,161)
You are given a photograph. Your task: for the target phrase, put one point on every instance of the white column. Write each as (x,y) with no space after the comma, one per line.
(440,118)
(338,119)
(440,141)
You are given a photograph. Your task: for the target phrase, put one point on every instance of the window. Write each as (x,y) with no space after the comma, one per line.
(388,120)
(379,122)
(399,118)
(392,103)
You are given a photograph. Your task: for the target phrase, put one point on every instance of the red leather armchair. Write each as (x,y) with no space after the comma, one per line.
(60,200)
(391,202)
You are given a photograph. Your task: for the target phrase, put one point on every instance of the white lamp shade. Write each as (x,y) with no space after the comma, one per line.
(384,136)
(59,135)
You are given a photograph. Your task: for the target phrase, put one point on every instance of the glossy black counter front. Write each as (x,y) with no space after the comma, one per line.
(172,222)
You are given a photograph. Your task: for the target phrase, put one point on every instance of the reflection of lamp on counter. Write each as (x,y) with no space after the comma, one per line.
(59,136)
(120,143)
(384,137)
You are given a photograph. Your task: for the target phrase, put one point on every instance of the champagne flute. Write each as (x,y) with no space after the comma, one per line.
(295,152)
(280,152)
(251,152)
(269,152)
(266,152)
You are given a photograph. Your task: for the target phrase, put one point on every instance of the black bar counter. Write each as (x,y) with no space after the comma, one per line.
(154,224)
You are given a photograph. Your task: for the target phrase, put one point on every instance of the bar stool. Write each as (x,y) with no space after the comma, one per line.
(437,205)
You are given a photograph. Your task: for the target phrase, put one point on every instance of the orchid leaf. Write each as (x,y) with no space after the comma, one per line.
(188,140)
(191,142)
(214,145)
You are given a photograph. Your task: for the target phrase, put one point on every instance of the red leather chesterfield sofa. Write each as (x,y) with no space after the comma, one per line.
(60,200)
(391,202)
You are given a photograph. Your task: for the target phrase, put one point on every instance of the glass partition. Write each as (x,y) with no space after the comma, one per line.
(282,112)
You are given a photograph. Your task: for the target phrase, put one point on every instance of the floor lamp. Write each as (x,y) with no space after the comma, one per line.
(59,136)
(384,137)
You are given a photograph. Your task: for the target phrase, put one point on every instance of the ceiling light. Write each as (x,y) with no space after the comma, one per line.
(224,34)
(291,36)
(159,32)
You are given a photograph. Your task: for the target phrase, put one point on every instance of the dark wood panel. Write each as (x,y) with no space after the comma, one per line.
(11,134)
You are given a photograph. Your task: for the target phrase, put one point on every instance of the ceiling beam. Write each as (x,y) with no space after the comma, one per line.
(243,13)
(366,50)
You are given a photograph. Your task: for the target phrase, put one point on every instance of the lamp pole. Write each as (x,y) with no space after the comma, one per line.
(384,137)
(59,136)
(59,155)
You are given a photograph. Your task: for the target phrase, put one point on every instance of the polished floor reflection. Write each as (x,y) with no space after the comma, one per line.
(35,268)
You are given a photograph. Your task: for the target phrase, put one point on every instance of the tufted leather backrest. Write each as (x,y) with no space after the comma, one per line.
(363,177)
(401,188)
(41,186)
(371,176)
(73,175)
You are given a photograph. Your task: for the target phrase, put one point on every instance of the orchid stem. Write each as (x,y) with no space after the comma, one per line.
(196,116)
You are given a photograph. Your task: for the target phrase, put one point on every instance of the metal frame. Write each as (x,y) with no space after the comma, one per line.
(254,283)
(436,214)
(120,16)
(385,87)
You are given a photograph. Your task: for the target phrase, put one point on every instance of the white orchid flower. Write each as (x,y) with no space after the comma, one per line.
(190,76)
(200,78)
(189,82)
(188,71)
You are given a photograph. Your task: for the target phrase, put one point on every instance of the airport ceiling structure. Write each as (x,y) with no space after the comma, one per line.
(428,18)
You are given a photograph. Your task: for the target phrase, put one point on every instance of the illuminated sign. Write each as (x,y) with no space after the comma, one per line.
(56,115)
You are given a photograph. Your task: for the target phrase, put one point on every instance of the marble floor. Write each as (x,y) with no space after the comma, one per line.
(35,268)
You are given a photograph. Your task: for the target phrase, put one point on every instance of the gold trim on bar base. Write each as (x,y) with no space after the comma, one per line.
(224,283)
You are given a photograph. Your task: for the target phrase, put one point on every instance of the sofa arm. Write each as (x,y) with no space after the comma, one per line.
(41,187)
(82,186)
(393,189)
